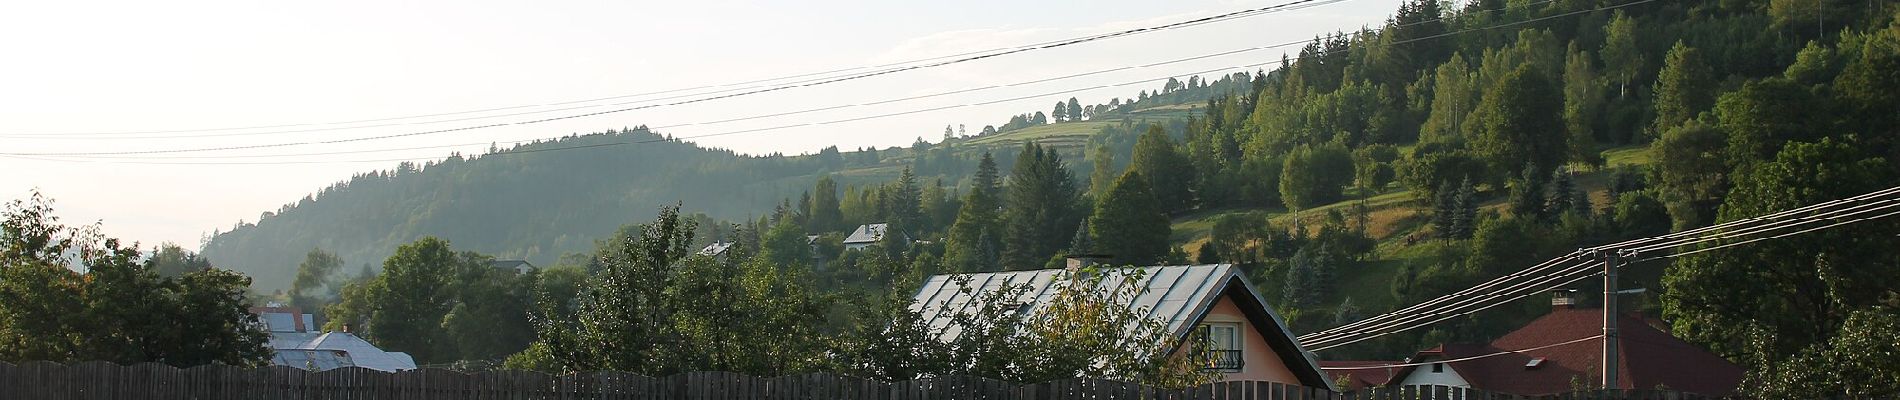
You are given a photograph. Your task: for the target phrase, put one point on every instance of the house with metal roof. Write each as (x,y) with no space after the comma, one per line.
(865,236)
(1556,352)
(519,266)
(1244,338)
(297,342)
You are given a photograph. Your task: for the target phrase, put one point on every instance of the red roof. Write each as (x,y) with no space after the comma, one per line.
(1359,378)
(1648,358)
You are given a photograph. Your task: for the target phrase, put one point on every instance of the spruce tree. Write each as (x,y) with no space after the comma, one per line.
(1527,194)
(1081,242)
(1128,223)
(1464,222)
(1038,206)
(971,243)
(1563,194)
(1445,211)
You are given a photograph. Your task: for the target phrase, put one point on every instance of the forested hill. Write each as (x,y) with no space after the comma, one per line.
(530,203)
(517,203)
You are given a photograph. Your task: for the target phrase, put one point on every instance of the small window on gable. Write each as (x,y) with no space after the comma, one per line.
(1221,343)
(1438,368)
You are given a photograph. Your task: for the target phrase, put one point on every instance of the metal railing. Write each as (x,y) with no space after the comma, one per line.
(1224,360)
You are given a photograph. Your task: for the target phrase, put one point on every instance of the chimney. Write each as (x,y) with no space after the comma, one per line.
(1076,262)
(1563,299)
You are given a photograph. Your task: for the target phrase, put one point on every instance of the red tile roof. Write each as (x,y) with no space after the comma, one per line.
(1649,358)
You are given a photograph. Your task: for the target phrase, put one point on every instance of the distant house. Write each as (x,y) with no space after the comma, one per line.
(1357,375)
(1523,361)
(865,236)
(519,266)
(296,342)
(716,249)
(1244,338)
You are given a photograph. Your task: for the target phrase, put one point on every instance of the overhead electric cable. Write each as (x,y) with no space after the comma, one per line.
(1462,359)
(896,67)
(227,148)
(1398,321)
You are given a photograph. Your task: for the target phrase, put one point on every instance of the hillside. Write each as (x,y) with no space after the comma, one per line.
(528,203)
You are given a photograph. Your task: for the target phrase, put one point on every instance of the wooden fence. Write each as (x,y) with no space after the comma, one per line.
(100,380)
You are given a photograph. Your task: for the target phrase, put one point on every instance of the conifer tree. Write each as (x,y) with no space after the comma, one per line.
(1527,194)
(1128,223)
(971,244)
(1038,208)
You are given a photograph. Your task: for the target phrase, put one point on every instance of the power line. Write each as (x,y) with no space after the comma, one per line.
(1415,316)
(1327,342)
(896,67)
(1462,359)
(227,148)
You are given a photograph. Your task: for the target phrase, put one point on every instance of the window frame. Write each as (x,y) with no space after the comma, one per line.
(1235,348)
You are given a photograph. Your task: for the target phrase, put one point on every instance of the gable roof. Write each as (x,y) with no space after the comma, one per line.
(716,248)
(1359,378)
(1647,358)
(1178,296)
(510,264)
(867,233)
(342,348)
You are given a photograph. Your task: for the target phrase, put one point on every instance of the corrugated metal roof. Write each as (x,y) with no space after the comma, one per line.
(867,233)
(1175,295)
(296,349)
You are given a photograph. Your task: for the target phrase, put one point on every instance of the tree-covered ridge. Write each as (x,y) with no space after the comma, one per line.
(542,200)
(1374,170)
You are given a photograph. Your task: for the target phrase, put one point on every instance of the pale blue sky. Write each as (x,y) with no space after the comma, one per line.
(75,67)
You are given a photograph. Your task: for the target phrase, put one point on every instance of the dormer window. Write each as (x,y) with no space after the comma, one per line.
(1534,363)
(1438,368)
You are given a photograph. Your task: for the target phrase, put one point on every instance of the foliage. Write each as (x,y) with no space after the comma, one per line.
(1801,288)
(1129,224)
(1038,208)
(71,294)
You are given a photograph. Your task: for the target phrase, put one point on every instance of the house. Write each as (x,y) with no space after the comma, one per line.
(1356,375)
(1244,338)
(519,266)
(1561,351)
(716,249)
(865,236)
(296,342)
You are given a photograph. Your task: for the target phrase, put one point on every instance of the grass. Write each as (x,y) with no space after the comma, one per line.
(1628,155)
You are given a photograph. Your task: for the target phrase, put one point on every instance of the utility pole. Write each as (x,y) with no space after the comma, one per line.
(1610,261)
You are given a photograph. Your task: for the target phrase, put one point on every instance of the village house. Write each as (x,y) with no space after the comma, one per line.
(1245,339)
(1535,359)
(518,266)
(867,235)
(297,342)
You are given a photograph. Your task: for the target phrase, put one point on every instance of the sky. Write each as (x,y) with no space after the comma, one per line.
(304,88)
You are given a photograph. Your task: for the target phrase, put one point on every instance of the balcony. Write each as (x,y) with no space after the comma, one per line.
(1225,360)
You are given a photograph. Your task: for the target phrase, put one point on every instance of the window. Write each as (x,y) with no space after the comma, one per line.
(1438,368)
(1220,342)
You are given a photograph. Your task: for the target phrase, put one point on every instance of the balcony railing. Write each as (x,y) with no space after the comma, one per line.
(1224,360)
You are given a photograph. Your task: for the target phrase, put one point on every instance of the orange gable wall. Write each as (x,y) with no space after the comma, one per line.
(1262,364)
